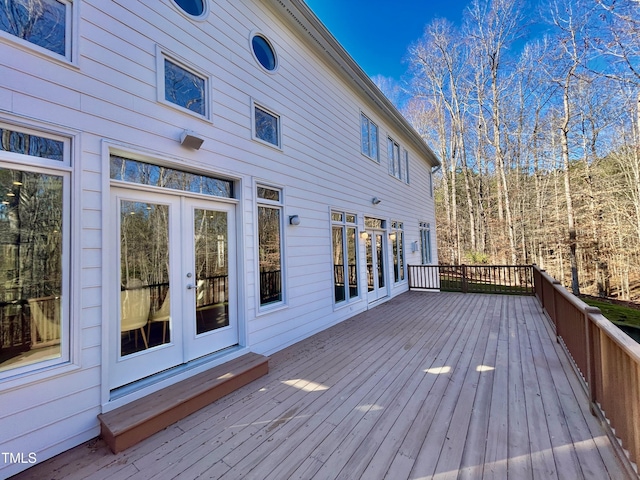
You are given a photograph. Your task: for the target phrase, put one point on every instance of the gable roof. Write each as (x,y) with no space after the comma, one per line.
(306,23)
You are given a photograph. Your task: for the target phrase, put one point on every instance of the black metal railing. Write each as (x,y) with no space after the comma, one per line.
(502,279)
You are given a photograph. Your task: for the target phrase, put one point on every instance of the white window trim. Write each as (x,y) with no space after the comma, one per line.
(196,18)
(395,164)
(367,154)
(71,38)
(266,38)
(256,104)
(163,54)
(283,303)
(69,359)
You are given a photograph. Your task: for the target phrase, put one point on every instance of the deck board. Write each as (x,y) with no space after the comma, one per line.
(427,385)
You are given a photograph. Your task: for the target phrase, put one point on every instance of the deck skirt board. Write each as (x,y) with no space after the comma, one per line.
(125,426)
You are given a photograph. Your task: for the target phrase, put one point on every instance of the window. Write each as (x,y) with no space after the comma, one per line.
(344,236)
(425,243)
(195,8)
(182,85)
(270,244)
(45,23)
(263,52)
(369,138)
(431,184)
(134,171)
(266,126)
(34,250)
(393,155)
(405,171)
(397,240)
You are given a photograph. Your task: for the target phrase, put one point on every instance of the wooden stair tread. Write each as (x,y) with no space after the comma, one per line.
(131,423)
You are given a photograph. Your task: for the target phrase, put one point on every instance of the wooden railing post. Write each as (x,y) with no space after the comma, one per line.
(465,284)
(590,354)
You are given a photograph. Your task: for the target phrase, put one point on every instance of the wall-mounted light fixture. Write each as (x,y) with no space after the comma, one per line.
(191,139)
(294,220)
(414,247)
(375,200)
(392,236)
(364,235)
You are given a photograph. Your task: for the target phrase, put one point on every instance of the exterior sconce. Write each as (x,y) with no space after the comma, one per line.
(191,140)
(364,235)
(414,247)
(392,236)
(294,220)
(375,200)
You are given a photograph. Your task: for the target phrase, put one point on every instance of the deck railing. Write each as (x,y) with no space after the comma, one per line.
(607,359)
(503,279)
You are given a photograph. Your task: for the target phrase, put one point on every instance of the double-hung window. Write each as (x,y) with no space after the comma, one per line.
(34,249)
(425,243)
(397,240)
(344,237)
(369,138)
(269,201)
(45,23)
(393,155)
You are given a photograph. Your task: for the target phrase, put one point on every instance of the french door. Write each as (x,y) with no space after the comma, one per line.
(176,295)
(376,266)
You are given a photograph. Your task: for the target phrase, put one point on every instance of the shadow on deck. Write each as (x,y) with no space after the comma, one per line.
(426,385)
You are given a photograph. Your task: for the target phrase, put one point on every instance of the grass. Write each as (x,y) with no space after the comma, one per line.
(616,313)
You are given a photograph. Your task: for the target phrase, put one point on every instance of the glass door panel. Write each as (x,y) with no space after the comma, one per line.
(376,265)
(211,270)
(144,276)
(210,310)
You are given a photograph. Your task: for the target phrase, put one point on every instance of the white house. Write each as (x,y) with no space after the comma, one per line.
(182,182)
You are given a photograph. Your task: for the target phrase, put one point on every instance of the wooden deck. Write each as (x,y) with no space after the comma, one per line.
(427,385)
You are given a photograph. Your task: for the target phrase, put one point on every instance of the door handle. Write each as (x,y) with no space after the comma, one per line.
(192,287)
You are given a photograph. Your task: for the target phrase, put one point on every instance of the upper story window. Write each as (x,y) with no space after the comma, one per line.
(45,23)
(182,85)
(393,154)
(405,171)
(195,8)
(264,52)
(266,125)
(369,138)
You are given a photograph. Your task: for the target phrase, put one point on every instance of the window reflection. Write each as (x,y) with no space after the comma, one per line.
(134,171)
(211,270)
(266,127)
(184,88)
(270,255)
(31,280)
(41,22)
(34,145)
(144,275)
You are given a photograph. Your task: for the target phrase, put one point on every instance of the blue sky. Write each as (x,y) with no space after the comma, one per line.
(377,33)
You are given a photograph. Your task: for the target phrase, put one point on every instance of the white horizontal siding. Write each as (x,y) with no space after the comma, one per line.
(112,95)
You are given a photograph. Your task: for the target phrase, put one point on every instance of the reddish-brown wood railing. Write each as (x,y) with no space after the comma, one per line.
(607,359)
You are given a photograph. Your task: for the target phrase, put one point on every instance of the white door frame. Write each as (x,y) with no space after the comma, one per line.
(184,343)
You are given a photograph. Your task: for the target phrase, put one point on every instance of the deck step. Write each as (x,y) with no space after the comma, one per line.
(125,426)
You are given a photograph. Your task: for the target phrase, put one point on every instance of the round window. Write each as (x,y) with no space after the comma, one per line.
(264,52)
(192,7)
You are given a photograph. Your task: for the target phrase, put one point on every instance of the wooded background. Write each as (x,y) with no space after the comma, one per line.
(537,125)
